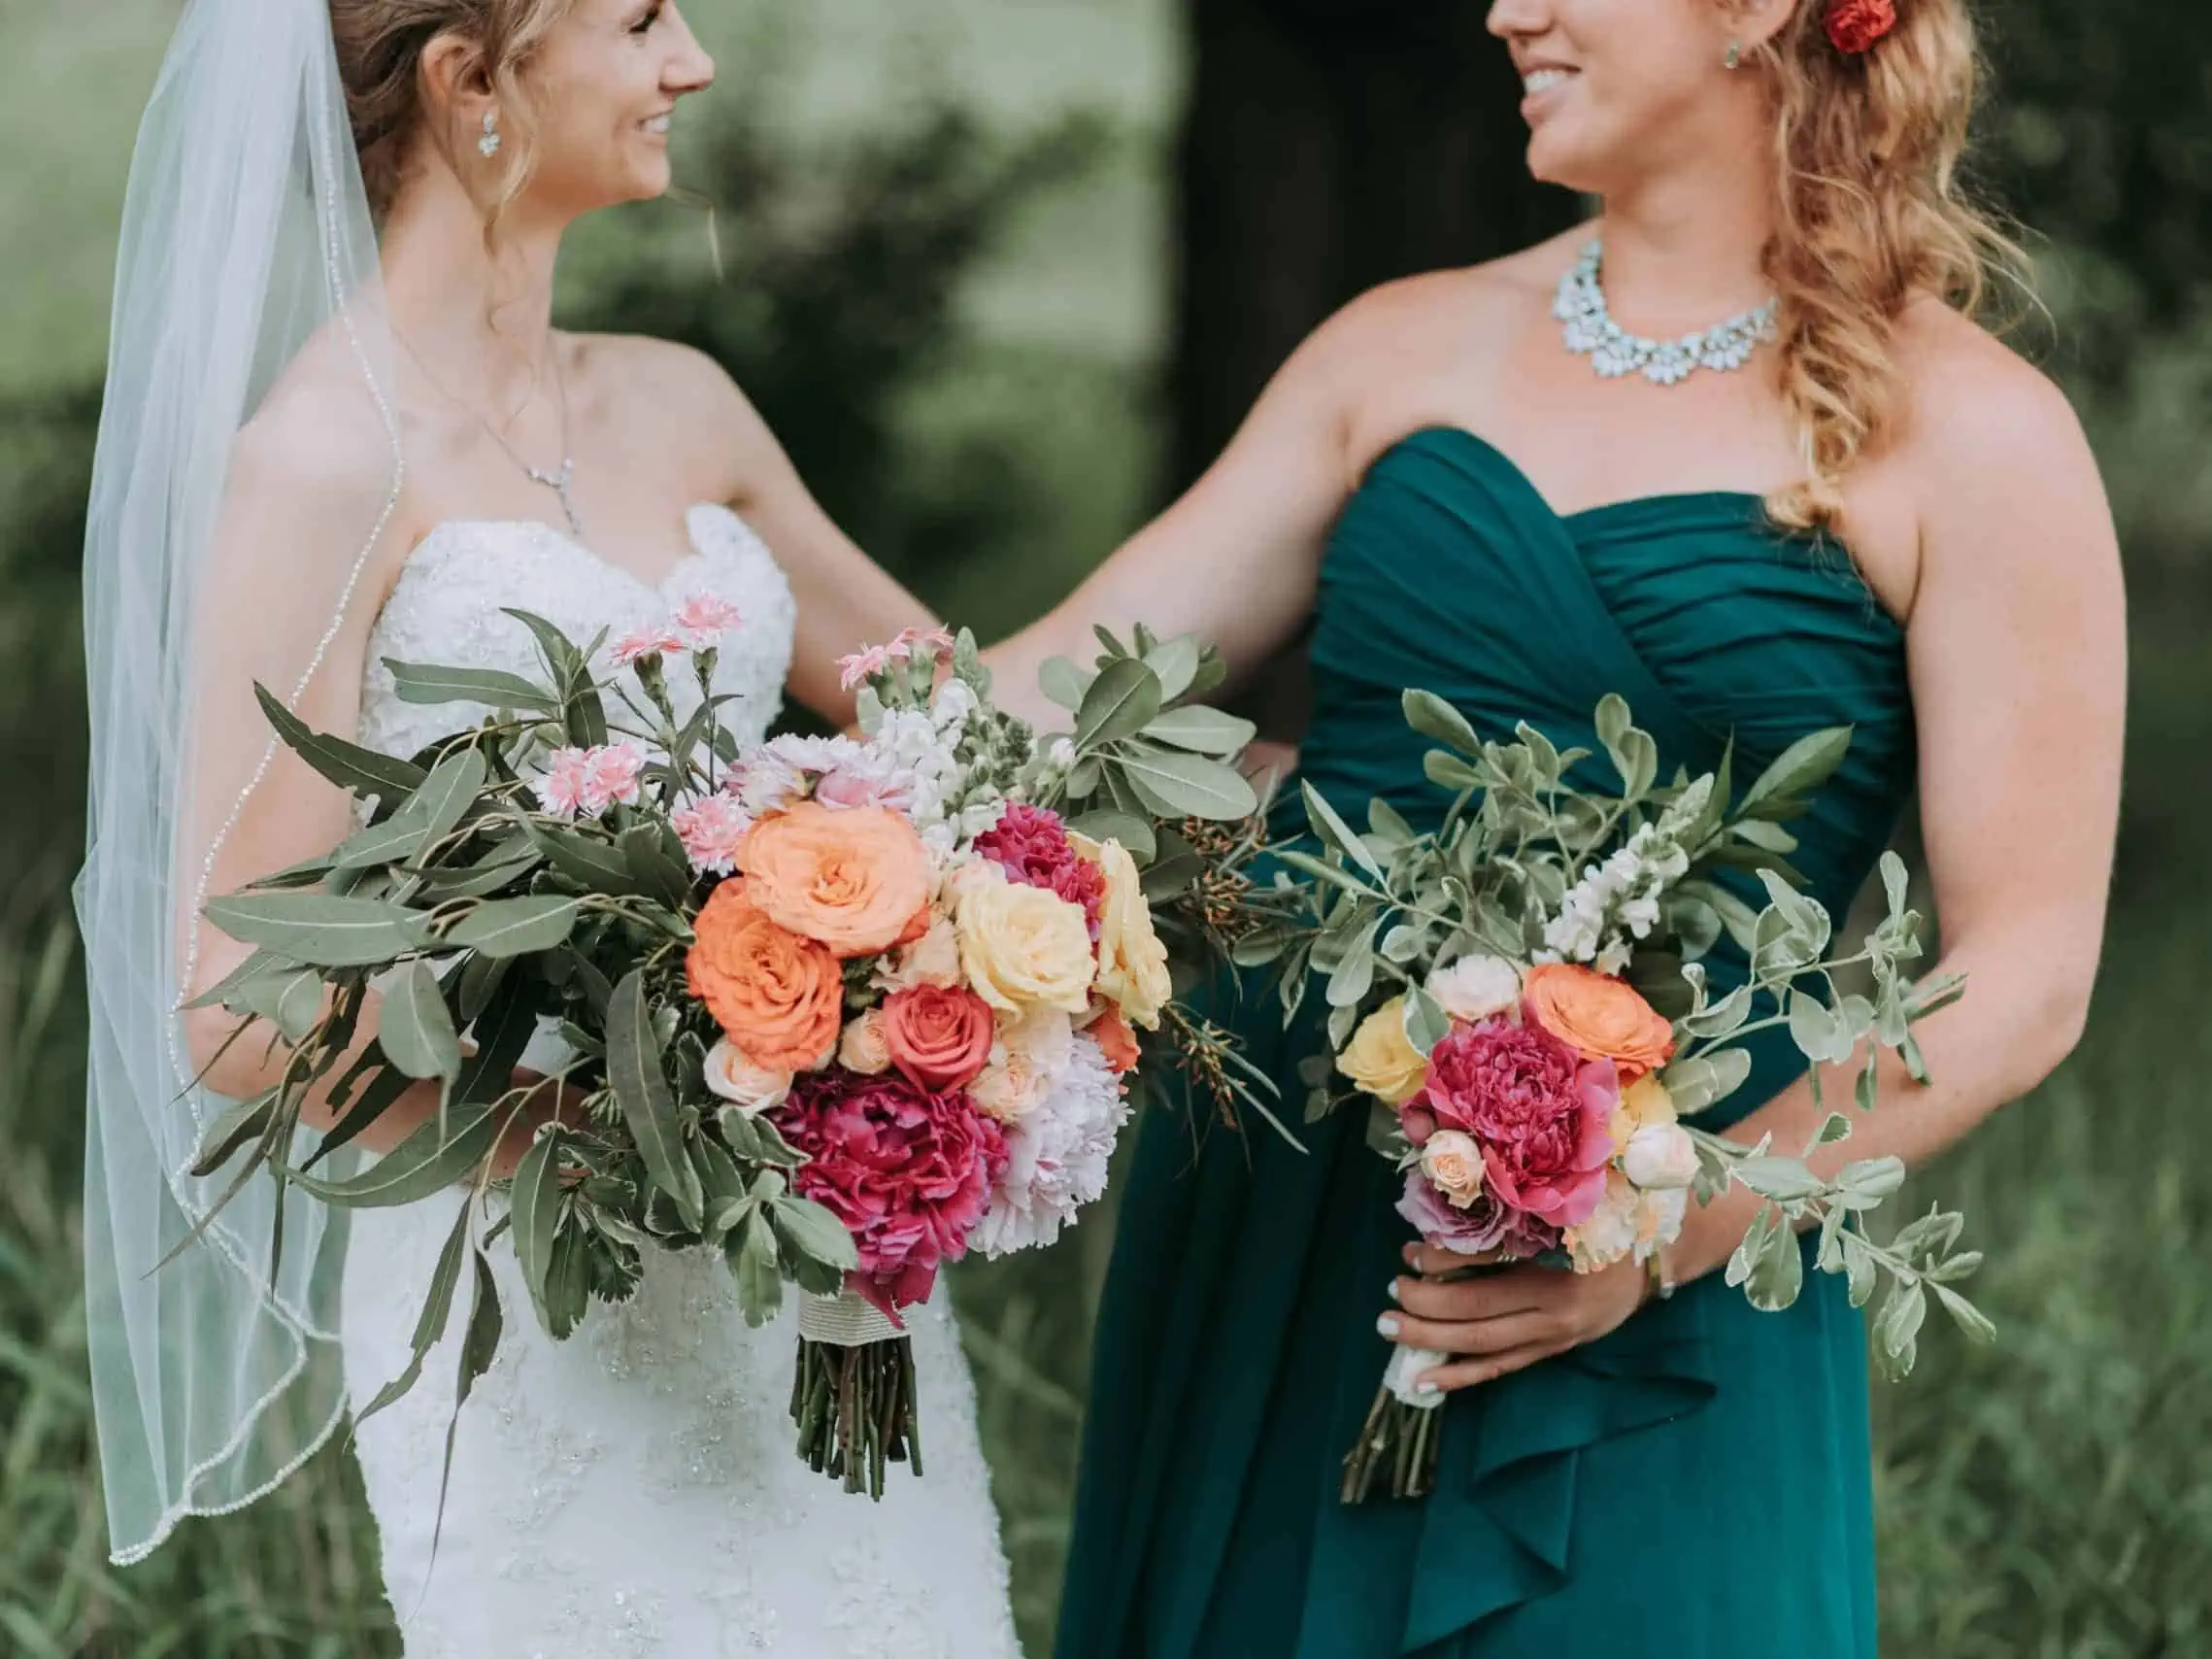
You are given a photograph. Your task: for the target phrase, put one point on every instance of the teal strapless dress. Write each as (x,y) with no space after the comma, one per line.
(1696,1486)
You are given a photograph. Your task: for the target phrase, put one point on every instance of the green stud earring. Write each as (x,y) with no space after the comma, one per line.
(1735,57)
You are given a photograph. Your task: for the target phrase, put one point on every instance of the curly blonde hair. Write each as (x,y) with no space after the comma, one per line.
(1871,216)
(380,59)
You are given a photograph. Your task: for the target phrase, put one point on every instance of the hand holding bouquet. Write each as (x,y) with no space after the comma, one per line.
(1523,998)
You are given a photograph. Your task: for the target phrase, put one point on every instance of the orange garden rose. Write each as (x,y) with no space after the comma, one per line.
(1115,1041)
(856,880)
(1604,1018)
(776,997)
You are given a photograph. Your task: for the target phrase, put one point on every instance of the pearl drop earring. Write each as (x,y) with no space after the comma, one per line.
(489,144)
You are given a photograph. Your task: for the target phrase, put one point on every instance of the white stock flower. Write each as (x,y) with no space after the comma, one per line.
(1056,1154)
(1476,987)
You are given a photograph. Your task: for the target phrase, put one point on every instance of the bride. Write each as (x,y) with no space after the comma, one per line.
(340,430)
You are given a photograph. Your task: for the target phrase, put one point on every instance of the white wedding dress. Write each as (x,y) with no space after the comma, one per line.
(632,1493)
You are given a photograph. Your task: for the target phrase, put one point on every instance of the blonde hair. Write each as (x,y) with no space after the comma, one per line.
(379,58)
(1871,217)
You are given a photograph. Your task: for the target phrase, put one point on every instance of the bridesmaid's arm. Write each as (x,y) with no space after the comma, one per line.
(2018,656)
(1235,561)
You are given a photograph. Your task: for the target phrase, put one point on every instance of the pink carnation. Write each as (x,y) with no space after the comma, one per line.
(1484,1226)
(913,642)
(709,829)
(563,787)
(611,776)
(644,642)
(1542,1114)
(909,1173)
(1031,845)
(705,617)
(863,665)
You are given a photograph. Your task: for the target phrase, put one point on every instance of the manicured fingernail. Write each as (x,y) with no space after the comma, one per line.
(1426,1389)
(1393,1290)
(1411,1255)
(1387,1325)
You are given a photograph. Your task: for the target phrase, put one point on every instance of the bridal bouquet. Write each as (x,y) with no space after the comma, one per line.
(1521,998)
(839,1009)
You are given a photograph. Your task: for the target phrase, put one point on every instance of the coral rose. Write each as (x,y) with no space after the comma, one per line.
(1602,1018)
(1542,1114)
(940,1039)
(1115,1041)
(1023,948)
(1132,963)
(776,997)
(1380,1060)
(851,880)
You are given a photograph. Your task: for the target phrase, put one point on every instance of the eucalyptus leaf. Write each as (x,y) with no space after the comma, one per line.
(348,765)
(430,1324)
(319,929)
(424,1165)
(535,1213)
(427,683)
(415,1027)
(1120,702)
(245,1121)
(1202,731)
(1177,784)
(505,928)
(750,1252)
(641,1089)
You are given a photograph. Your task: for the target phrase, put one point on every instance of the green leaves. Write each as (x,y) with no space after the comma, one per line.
(1202,731)
(1123,700)
(1438,721)
(1702,1080)
(535,1213)
(427,1162)
(514,926)
(641,1090)
(1177,785)
(1802,768)
(415,1028)
(1336,833)
(348,765)
(419,683)
(319,929)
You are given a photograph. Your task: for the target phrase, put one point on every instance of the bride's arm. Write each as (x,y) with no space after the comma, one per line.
(307,484)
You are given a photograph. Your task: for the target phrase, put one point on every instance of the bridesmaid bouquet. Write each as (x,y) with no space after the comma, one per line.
(839,1009)
(1521,998)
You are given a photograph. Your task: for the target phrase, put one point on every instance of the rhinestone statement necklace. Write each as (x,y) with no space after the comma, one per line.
(1613,352)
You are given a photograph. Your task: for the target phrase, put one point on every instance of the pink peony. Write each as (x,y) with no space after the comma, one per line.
(640,643)
(1541,1112)
(704,618)
(1030,844)
(709,829)
(1484,1226)
(611,776)
(908,1172)
(562,789)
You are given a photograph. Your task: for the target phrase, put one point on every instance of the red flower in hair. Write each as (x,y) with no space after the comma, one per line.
(1854,25)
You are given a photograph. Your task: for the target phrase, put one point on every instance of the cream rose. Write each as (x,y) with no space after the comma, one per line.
(752,1089)
(1661,1158)
(1132,963)
(1029,1052)
(863,1048)
(934,958)
(1477,988)
(1454,1162)
(1022,947)
(1380,1060)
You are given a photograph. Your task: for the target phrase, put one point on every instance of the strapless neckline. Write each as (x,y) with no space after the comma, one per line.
(449,531)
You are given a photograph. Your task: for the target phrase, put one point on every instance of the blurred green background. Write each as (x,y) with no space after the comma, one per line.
(1002,273)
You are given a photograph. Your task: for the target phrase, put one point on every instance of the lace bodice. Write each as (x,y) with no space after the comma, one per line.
(448,605)
(632,1493)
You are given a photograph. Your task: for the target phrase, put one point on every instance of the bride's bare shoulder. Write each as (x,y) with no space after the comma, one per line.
(686,399)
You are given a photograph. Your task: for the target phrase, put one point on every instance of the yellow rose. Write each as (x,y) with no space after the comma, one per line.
(1644,1103)
(1022,947)
(1132,963)
(1380,1060)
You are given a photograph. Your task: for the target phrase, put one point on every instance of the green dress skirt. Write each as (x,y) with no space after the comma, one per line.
(1696,1486)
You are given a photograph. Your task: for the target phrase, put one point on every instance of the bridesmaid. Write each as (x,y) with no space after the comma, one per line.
(1838,500)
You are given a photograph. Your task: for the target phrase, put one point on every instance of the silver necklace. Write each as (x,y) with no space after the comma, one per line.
(561,481)
(1613,352)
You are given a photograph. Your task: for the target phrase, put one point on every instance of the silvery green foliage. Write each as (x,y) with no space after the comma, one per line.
(1643,882)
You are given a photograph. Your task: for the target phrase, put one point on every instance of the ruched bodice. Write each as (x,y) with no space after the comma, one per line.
(1690,1484)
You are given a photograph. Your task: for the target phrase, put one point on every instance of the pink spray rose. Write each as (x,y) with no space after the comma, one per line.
(1542,1114)
(908,1172)
(1030,844)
